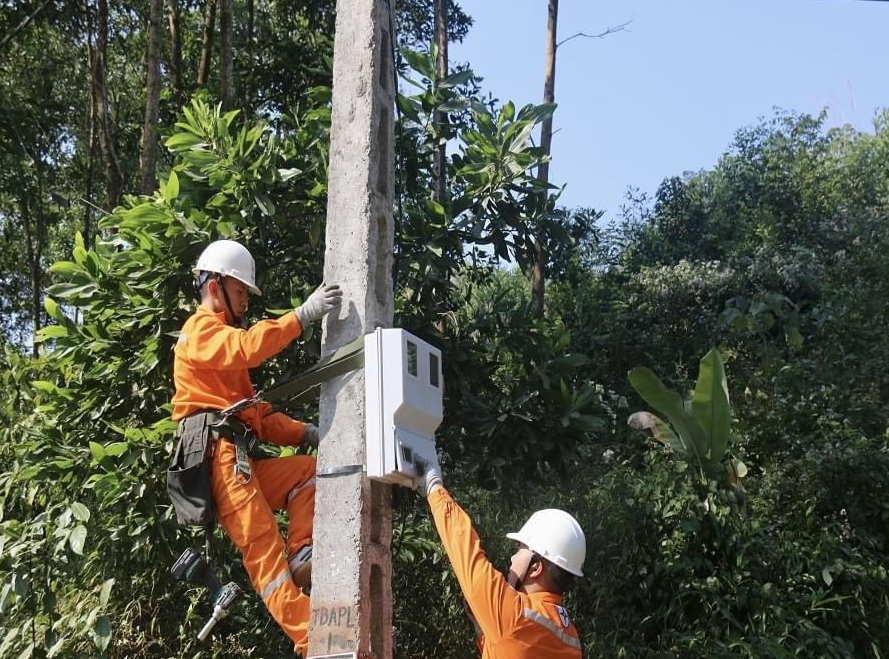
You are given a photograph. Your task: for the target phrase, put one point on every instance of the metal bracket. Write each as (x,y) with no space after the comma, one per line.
(338,471)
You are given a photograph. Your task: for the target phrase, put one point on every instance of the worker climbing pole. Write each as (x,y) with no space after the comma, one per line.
(351,605)
(351,592)
(216,473)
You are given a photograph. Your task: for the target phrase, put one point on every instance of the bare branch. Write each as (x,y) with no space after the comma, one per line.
(611,30)
(21,26)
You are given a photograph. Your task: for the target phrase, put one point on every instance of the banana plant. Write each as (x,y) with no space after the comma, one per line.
(698,429)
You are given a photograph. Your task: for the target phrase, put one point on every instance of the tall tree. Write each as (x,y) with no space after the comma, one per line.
(113,175)
(226,53)
(207,42)
(175,23)
(148,154)
(92,133)
(35,233)
(538,276)
(440,39)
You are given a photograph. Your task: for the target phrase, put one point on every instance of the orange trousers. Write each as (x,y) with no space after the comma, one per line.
(246,512)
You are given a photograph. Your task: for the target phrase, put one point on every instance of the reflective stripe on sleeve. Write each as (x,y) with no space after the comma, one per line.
(540,619)
(300,488)
(270,588)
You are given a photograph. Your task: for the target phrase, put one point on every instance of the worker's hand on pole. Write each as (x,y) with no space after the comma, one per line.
(325,299)
(429,476)
(311,436)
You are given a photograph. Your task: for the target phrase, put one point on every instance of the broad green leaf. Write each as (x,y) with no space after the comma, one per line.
(28,473)
(182,140)
(265,203)
(102,632)
(419,62)
(50,332)
(669,403)
(52,308)
(98,451)
(77,539)
(81,513)
(171,189)
(289,173)
(146,212)
(570,361)
(710,405)
(793,337)
(65,268)
(459,78)
(117,448)
(105,593)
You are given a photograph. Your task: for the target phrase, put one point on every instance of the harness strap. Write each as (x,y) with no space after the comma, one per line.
(241,435)
(346,359)
(229,428)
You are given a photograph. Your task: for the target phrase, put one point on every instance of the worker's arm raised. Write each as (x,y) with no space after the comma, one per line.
(495,605)
(213,344)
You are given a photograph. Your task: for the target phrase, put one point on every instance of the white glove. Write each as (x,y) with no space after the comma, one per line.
(311,437)
(429,478)
(325,299)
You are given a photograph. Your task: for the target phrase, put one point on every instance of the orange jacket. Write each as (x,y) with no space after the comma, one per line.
(210,363)
(514,625)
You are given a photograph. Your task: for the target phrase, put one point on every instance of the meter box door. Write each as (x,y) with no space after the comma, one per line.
(403,403)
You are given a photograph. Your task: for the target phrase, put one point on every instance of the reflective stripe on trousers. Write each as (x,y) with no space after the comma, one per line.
(300,488)
(283,577)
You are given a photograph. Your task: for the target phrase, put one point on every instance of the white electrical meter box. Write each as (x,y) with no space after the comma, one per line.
(403,389)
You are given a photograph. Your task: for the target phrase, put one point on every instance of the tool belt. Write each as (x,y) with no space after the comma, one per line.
(188,478)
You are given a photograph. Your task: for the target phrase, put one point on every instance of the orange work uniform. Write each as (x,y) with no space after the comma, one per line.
(210,366)
(514,625)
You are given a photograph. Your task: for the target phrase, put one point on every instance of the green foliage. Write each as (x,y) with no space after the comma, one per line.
(116,308)
(702,422)
(94,426)
(777,254)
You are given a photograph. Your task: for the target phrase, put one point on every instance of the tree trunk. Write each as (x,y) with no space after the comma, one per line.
(148,154)
(175,51)
(207,43)
(34,247)
(439,162)
(113,175)
(87,229)
(538,276)
(92,132)
(226,65)
(247,89)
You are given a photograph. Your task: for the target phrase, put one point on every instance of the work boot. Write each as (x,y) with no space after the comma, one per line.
(301,567)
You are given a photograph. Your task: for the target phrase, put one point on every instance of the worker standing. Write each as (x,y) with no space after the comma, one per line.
(520,616)
(210,372)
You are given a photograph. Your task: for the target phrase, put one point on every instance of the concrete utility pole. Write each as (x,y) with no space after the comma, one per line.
(352,568)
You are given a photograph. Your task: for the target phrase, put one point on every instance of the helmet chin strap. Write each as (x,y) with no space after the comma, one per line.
(228,303)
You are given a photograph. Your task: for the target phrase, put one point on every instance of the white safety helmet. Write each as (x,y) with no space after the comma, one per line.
(230,259)
(556,536)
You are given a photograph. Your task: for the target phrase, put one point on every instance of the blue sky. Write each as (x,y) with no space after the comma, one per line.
(667,96)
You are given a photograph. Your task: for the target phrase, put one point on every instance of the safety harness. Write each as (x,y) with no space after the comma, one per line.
(188,481)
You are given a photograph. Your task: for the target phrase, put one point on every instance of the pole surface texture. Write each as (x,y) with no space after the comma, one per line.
(352,568)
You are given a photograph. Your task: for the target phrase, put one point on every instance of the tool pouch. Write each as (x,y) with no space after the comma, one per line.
(188,478)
